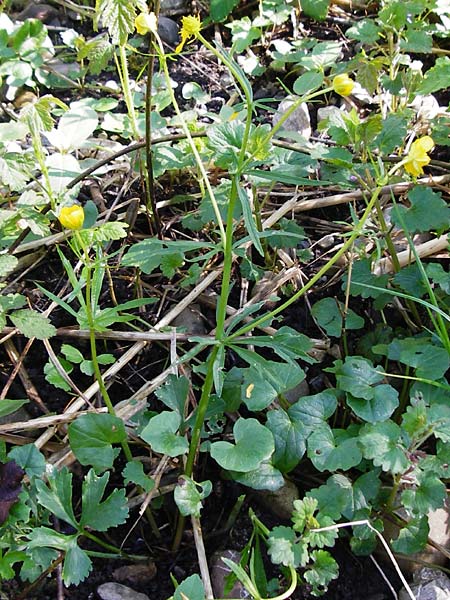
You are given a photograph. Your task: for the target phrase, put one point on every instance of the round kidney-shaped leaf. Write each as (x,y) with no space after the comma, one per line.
(254,445)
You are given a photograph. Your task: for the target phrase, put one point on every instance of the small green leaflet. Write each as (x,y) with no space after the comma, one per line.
(152,253)
(161,434)
(134,473)
(188,495)
(382,443)
(92,437)
(32,324)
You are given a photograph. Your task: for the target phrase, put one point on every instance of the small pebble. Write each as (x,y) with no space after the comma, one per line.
(117,591)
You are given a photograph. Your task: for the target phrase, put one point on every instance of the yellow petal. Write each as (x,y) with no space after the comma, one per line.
(343,84)
(190,26)
(146,23)
(71,217)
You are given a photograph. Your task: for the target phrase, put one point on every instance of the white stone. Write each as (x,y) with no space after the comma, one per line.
(117,591)
(299,121)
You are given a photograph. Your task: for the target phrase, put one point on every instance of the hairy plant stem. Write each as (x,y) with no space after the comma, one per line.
(94,358)
(124,76)
(163,63)
(149,179)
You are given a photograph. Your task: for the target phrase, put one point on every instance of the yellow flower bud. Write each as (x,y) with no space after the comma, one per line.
(146,23)
(71,217)
(190,27)
(417,157)
(343,84)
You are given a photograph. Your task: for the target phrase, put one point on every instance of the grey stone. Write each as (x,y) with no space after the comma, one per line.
(168,31)
(219,571)
(117,591)
(429,584)
(190,320)
(300,390)
(42,12)
(280,502)
(298,122)
(172,7)
(439,523)
(327,111)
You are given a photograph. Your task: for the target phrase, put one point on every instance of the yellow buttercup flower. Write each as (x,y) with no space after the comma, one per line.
(343,84)
(417,157)
(190,27)
(146,23)
(71,217)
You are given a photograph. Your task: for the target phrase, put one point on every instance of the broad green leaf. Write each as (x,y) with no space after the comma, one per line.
(15,170)
(134,473)
(29,458)
(191,588)
(392,134)
(410,279)
(149,254)
(74,128)
(254,445)
(57,496)
(357,376)
(321,539)
(361,273)
(324,569)
(220,9)
(7,264)
(188,495)
(427,212)
(335,497)
(264,477)
(313,411)
(330,450)
(329,314)
(77,565)
(92,437)
(288,343)
(7,561)
(308,82)
(316,9)
(382,443)
(379,408)
(7,407)
(429,360)
(365,31)
(243,32)
(413,537)
(97,514)
(118,17)
(225,140)
(264,381)
(439,420)
(437,77)
(32,324)
(62,168)
(160,433)
(429,494)
(290,436)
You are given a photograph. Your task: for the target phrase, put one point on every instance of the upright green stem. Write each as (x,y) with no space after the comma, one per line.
(94,358)
(124,76)
(301,292)
(149,180)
